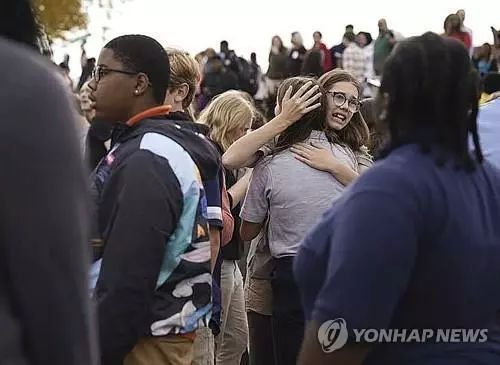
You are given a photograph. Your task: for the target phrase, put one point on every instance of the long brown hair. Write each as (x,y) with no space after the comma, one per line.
(378,133)
(300,130)
(356,133)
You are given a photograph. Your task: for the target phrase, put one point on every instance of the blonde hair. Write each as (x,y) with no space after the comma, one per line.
(184,69)
(225,114)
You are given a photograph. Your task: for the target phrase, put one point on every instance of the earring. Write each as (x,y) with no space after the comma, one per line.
(136,92)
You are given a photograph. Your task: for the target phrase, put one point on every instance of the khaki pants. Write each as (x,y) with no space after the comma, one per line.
(232,341)
(204,347)
(165,350)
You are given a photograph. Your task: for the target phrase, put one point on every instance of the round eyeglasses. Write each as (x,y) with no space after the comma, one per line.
(340,99)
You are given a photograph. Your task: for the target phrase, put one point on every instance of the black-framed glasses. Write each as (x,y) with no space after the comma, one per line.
(340,99)
(99,72)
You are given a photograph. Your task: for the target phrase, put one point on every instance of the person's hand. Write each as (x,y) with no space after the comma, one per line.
(301,103)
(315,156)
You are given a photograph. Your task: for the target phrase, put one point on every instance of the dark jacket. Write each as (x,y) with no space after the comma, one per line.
(278,65)
(295,59)
(95,148)
(218,79)
(45,315)
(151,235)
(234,250)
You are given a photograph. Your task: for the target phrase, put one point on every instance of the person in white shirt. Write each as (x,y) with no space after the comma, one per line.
(366,43)
(353,59)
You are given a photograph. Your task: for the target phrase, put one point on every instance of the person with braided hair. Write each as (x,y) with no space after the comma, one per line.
(414,243)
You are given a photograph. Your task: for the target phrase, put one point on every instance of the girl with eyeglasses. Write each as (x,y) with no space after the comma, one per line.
(343,126)
(292,187)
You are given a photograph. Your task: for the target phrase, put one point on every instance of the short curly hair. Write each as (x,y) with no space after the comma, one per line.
(144,54)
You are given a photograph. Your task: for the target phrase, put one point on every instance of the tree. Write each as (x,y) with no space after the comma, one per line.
(59,16)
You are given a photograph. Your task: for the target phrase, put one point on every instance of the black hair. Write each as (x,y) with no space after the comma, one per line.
(143,54)
(432,99)
(18,23)
(64,66)
(349,26)
(319,33)
(491,83)
(224,44)
(368,36)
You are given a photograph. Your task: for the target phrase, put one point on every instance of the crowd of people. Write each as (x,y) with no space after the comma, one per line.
(192,224)
(358,53)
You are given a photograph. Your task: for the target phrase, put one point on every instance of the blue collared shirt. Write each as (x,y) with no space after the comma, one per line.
(488,124)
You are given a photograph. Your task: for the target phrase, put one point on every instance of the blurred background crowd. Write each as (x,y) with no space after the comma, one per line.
(223,67)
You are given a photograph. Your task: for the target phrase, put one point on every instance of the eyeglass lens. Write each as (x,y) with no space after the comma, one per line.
(339,99)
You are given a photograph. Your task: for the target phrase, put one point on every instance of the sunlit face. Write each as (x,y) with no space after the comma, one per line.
(461,15)
(339,116)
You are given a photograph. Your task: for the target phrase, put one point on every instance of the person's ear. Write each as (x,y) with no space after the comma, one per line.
(181,93)
(142,84)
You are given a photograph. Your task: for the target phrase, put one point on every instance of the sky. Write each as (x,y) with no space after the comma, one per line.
(195,25)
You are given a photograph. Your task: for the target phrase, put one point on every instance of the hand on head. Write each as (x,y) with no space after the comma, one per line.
(293,107)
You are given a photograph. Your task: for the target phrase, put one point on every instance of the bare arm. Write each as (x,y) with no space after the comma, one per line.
(245,151)
(238,190)
(250,230)
(343,173)
(322,159)
(214,234)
